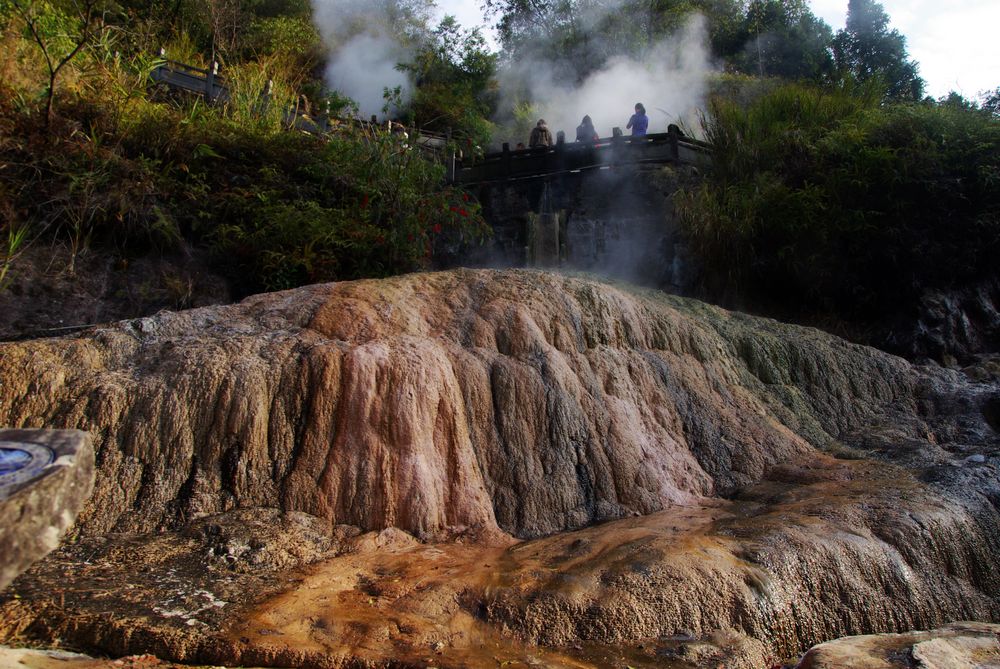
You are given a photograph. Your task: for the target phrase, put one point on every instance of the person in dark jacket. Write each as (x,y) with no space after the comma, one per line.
(585,132)
(639,121)
(540,135)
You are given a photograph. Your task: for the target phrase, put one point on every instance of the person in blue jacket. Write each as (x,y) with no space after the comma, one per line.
(639,121)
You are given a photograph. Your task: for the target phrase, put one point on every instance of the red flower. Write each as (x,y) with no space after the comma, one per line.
(364,201)
(436,228)
(453,208)
(463,212)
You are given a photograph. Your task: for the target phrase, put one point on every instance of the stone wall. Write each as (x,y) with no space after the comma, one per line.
(617,222)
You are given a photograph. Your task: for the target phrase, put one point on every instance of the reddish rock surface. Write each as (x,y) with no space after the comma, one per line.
(419,470)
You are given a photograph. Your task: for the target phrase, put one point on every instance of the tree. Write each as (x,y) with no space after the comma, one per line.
(990,101)
(575,37)
(866,49)
(785,39)
(453,72)
(61,31)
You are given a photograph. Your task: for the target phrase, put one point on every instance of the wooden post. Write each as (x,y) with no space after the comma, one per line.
(213,71)
(506,159)
(560,161)
(451,157)
(326,117)
(159,74)
(617,145)
(265,96)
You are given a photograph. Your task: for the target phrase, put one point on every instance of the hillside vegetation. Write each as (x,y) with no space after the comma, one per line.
(838,189)
(829,201)
(119,166)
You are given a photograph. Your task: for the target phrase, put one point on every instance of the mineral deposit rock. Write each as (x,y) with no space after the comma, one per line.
(495,466)
(956,646)
(441,403)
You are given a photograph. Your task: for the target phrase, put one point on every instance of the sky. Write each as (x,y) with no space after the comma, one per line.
(956,43)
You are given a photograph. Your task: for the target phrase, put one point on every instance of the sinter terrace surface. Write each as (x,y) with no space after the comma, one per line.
(480,468)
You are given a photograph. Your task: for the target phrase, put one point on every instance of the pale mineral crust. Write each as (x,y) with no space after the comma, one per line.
(961,645)
(770,486)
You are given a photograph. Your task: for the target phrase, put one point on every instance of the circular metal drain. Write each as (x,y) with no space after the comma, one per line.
(21,462)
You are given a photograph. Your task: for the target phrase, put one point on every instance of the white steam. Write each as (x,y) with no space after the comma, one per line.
(669,80)
(364,52)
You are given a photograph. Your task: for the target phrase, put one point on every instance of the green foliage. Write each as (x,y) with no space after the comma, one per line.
(455,89)
(769,37)
(247,84)
(314,211)
(284,35)
(990,101)
(828,200)
(133,173)
(278,208)
(14,245)
(867,50)
(783,38)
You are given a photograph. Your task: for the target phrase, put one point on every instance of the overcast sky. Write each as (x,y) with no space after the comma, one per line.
(956,43)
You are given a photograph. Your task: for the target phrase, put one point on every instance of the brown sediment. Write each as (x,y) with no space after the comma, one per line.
(459,467)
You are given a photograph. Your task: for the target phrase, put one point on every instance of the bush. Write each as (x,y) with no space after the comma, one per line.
(291,209)
(278,208)
(829,201)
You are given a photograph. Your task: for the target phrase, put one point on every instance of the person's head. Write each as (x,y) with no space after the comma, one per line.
(639,109)
(587,120)
(541,123)
(520,145)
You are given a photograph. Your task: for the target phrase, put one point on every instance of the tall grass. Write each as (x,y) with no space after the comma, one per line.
(256,100)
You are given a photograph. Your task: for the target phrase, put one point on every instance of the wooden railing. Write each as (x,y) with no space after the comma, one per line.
(567,157)
(562,158)
(205,82)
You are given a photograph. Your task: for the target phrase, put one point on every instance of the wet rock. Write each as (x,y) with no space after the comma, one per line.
(463,402)
(955,325)
(262,540)
(956,646)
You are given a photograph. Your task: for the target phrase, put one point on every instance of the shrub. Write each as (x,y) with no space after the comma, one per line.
(828,200)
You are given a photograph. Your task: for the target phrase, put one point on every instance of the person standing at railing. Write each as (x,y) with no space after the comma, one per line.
(585,132)
(540,135)
(639,121)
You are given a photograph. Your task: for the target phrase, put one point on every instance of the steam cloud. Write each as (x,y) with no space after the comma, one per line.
(615,228)
(363,52)
(670,80)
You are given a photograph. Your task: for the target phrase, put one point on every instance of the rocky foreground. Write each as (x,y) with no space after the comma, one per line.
(481,468)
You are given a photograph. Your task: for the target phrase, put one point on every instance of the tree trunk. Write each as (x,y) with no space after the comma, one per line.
(50,99)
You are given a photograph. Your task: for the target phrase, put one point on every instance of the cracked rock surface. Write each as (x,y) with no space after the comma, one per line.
(471,465)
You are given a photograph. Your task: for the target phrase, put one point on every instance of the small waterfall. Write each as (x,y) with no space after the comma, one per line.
(545,244)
